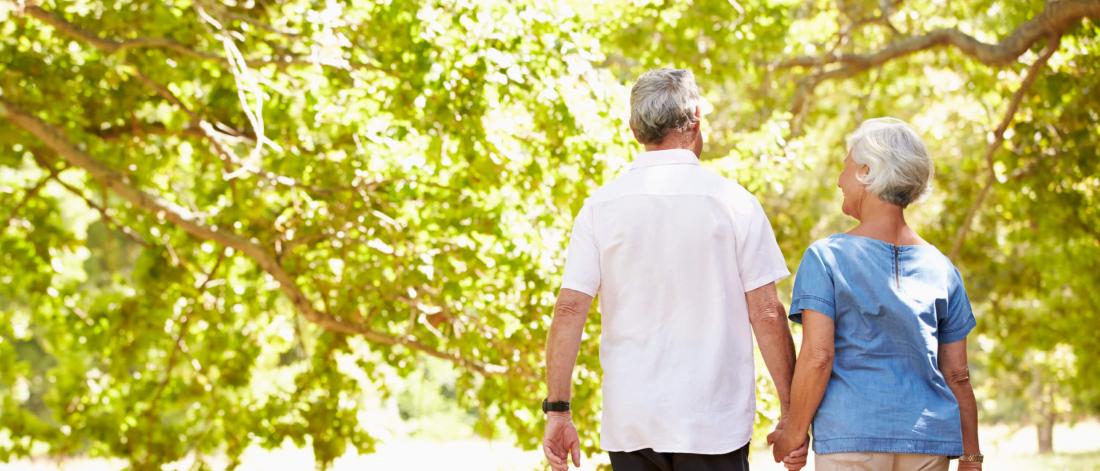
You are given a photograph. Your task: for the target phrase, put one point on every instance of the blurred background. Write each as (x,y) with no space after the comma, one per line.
(318,234)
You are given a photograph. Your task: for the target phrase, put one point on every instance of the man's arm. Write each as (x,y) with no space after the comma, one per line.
(769,324)
(564,341)
(954,367)
(811,377)
(562,344)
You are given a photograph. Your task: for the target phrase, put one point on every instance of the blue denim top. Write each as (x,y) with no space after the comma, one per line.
(892,306)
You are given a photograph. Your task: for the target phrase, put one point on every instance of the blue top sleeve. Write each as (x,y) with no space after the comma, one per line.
(959,320)
(813,287)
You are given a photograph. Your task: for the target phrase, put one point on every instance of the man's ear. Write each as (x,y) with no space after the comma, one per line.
(698,116)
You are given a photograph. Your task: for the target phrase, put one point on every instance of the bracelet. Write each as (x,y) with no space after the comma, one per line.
(978,458)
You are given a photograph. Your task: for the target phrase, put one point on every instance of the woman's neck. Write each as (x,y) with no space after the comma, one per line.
(884,221)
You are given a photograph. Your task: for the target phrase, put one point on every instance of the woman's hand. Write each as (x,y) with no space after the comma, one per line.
(785,444)
(796,459)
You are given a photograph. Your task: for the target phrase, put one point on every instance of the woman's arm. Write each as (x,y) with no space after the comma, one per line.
(954,367)
(811,376)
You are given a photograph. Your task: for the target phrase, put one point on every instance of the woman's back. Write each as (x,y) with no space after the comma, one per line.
(892,306)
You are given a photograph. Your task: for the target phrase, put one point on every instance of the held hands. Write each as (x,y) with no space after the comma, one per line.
(560,442)
(789,448)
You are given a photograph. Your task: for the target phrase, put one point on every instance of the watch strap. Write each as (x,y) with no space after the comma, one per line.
(556,406)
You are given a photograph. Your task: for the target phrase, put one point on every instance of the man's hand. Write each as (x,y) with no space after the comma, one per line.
(796,459)
(788,448)
(560,441)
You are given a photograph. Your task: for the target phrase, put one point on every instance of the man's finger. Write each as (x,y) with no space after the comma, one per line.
(552,456)
(771,438)
(577,455)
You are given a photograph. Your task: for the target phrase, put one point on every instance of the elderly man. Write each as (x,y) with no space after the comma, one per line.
(684,262)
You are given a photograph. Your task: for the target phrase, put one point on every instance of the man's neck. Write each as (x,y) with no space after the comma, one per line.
(690,141)
(664,146)
(672,142)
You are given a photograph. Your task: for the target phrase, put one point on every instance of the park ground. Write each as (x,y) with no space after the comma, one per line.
(1006,448)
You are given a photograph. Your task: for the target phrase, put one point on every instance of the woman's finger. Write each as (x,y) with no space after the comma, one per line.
(801,451)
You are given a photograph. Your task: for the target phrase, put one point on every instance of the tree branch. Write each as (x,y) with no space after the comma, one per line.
(111,46)
(139,129)
(27,196)
(121,185)
(102,210)
(177,344)
(1056,18)
(998,138)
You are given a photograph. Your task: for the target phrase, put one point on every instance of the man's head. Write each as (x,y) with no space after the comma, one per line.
(665,110)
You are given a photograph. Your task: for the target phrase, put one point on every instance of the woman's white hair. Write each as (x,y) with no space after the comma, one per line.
(900,168)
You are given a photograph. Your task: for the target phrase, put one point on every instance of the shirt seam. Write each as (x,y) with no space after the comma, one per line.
(772,277)
(579,286)
(964,327)
(662,165)
(887,438)
(969,325)
(816,298)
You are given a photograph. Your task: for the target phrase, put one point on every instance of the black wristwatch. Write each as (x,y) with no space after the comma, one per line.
(558,406)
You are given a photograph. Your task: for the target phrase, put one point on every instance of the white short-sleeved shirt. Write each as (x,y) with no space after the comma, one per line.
(671,248)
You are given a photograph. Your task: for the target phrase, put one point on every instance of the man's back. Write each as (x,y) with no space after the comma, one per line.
(671,249)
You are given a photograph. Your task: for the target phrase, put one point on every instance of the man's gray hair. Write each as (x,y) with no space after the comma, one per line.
(663,101)
(900,168)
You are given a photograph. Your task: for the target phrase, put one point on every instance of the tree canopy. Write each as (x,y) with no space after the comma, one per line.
(222,221)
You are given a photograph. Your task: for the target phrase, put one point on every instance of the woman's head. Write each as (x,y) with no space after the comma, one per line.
(886,159)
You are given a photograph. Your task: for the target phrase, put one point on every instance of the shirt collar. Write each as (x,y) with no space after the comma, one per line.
(665,157)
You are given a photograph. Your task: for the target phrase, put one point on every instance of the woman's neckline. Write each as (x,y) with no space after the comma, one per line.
(891,244)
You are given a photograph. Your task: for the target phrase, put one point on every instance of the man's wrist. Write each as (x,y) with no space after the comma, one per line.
(972,458)
(555,406)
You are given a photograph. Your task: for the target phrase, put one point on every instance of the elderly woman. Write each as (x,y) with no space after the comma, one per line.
(882,371)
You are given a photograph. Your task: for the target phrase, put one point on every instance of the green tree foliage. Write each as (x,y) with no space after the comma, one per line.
(224,221)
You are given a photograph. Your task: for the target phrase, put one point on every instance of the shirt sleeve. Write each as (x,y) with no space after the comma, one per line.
(813,287)
(758,256)
(582,263)
(959,320)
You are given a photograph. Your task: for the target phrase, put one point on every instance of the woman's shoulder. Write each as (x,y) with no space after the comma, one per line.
(833,244)
(828,250)
(842,246)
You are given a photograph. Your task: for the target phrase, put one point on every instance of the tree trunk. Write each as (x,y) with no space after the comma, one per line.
(1045,429)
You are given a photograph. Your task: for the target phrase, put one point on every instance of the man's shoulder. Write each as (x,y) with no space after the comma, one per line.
(702,181)
(609,190)
(730,192)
